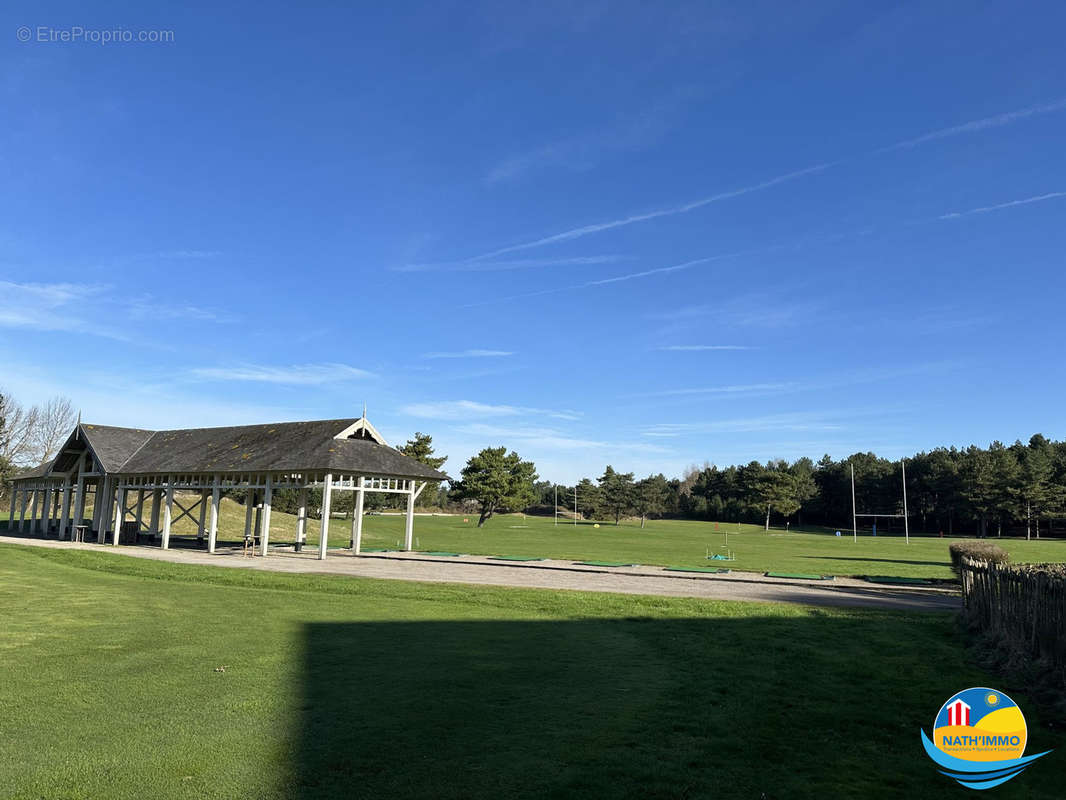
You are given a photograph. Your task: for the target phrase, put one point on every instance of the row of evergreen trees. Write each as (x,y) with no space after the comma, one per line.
(983,491)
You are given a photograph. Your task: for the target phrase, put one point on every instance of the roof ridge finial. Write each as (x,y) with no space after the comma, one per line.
(364,409)
(79,416)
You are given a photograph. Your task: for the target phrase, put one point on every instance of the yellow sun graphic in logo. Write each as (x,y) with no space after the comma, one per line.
(992,699)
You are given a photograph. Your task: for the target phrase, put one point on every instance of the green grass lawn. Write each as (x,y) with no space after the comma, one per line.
(339,687)
(662,542)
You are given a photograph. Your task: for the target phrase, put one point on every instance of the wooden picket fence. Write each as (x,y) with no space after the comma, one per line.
(1022,605)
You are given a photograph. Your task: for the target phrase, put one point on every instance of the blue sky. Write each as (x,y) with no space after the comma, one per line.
(649,235)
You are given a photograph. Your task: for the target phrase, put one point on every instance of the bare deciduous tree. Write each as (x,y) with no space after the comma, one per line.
(30,435)
(55,420)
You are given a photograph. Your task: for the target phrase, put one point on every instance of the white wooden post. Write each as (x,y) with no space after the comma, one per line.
(11,513)
(202,525)
(357,522)
(34,521)
(103,498)
(301,519)
(79,504)
(323,538)
(46,508)
(249,503)
(157,501)
(212,534)
(139,515)
(64,519)
(268,498)
(120,514)
(168,510)
(409,530)
(22,510)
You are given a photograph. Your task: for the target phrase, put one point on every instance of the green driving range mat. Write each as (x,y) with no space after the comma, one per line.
(376,550)
(606,564)
(802,575)
(438,553)
(516,558)
(892,579)
(711,570)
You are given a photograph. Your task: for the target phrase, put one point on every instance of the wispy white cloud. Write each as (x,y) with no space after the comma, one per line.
(996,121)
(148,307)
(501,266)
(626,134)
(475,353)
(552,439)
(984,209)
(762,424)
(855,377)
(973,126)
(615,278)
(188,254)
(632,219)
(729,389)
(459,410)
(699,348)
(295,375)
(53,307)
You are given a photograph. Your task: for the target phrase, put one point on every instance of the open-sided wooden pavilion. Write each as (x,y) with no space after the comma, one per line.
(127,469)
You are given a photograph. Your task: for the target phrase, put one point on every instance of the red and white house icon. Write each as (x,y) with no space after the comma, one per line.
(958,713)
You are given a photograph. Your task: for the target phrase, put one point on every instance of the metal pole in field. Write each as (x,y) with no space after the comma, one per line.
(556,505)
(854,517)
(575,505)
(906,524)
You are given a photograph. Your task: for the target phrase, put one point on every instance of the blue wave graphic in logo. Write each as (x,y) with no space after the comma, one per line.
(977,774)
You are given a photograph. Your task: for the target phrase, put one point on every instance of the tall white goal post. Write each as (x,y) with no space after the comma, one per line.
(855,513)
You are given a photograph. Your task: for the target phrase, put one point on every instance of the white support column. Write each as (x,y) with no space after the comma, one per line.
(327,495)
(249,505)
(212,534)
(46,509)
(94,523)
(168,511)
(202,525)
(139,514)
(268,498)
(64,515)
(357,521)
(301,520)
(103,503)
(79,504)
(11,513)
(157,502)
(35,523)
(409,529)
(120,514)
(22,510)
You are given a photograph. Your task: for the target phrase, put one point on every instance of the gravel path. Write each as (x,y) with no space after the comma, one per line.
(552,575)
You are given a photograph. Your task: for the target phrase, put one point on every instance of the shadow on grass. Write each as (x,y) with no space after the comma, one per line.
(624,707)
(882,560)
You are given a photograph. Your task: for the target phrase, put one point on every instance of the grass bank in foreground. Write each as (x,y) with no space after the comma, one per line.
(336,687)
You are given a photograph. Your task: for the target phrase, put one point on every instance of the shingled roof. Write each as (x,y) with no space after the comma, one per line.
(283,446)
(276,447)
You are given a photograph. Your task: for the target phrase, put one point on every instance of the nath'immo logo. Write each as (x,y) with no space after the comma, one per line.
(979,738)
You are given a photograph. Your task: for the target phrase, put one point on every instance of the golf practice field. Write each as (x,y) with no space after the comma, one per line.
(125,678)
(661,542)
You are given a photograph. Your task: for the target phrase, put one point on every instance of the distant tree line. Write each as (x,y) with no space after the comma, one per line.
(982,491)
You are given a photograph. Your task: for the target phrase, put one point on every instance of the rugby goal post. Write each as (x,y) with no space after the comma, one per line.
(855,513)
